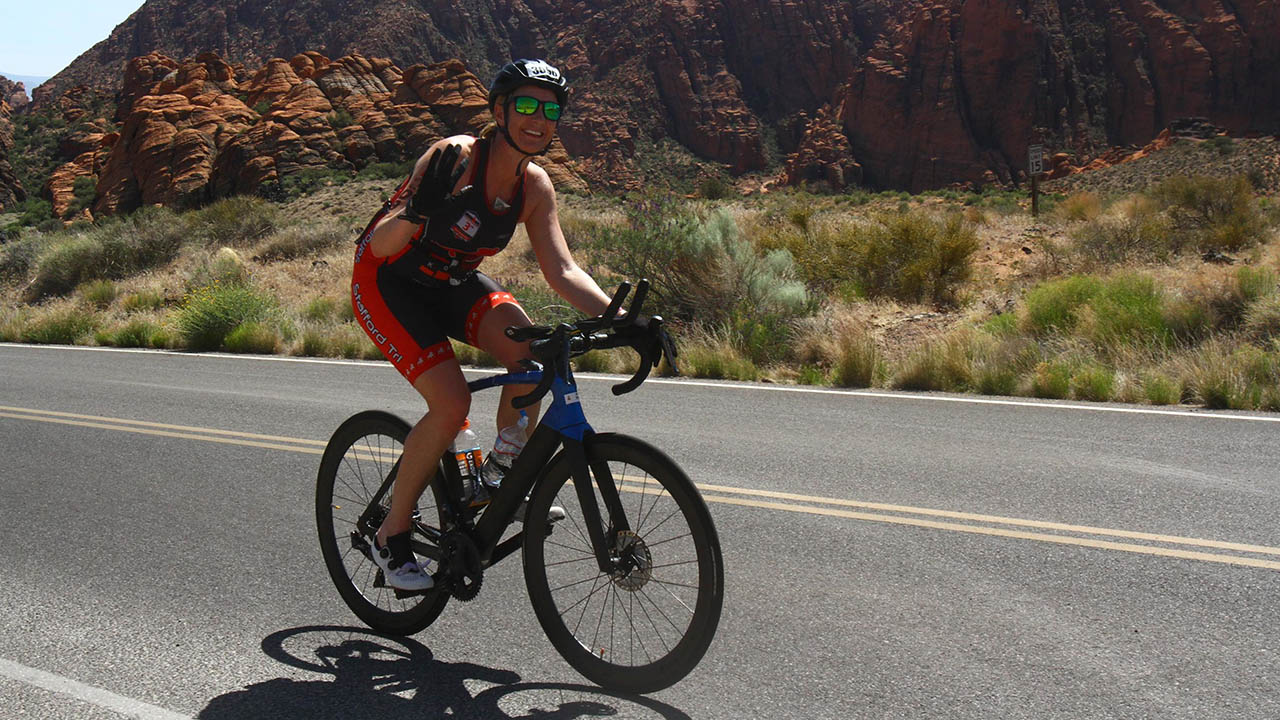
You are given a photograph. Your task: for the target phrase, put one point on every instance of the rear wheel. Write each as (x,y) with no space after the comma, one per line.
(644,623)
(353,495)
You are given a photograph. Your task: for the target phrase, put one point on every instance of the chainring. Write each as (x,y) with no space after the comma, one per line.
(460,565)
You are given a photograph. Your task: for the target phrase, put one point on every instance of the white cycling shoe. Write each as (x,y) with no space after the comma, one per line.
(404,576)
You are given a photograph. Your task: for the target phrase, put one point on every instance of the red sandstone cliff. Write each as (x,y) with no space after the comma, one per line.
(896,93)
(192,131)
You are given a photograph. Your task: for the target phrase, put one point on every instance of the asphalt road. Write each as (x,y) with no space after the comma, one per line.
(887,555)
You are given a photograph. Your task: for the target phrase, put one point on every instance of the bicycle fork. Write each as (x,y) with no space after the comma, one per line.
(610,555)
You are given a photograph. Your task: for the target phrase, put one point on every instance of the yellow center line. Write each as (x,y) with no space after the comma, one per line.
(165,433)
(712,493)
(976,517)
(163,426)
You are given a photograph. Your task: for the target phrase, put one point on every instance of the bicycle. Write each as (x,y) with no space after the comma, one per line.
(630,596)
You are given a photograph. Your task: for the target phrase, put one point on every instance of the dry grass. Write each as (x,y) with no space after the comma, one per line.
(1223,329)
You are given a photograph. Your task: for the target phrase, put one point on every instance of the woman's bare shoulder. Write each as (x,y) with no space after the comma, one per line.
(464,143)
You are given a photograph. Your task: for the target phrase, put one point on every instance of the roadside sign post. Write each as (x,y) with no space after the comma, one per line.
(1035,166)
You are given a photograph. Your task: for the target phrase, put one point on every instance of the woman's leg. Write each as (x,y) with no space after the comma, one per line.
(448,402)
(492,338)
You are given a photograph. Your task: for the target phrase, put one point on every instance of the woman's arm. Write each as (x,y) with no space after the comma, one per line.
(558,267)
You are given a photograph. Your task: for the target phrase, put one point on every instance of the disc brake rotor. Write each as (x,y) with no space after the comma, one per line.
(635,563)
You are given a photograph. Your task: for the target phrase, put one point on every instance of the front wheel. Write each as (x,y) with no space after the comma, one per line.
(645,623)
(353,495)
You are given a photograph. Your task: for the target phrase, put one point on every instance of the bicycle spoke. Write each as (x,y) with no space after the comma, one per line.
(570,562)
(652,545)
(575,584)
(674,564)
(585,602)
(656,632)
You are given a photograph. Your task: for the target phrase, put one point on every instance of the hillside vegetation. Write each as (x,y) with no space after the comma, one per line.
(1167,296)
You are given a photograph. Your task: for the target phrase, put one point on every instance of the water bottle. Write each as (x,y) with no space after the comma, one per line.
(466,450)
(510,442)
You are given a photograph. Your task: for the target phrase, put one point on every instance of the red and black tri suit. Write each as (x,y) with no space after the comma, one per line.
(412,302)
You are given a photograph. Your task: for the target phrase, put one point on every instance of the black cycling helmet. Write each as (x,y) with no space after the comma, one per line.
(529,72)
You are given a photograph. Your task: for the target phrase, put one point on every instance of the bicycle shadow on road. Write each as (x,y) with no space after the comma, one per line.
(378,676)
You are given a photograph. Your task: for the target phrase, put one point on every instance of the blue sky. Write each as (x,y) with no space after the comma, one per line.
(42,37)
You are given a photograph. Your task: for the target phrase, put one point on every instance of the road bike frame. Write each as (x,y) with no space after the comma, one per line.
(563,425)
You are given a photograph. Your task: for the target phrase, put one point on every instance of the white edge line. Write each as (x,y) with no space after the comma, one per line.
(1193,414)
(86,693)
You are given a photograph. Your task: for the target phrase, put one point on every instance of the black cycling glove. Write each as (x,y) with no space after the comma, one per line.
(435,189)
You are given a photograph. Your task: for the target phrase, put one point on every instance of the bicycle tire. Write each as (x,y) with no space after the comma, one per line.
(356,462)
(681,564)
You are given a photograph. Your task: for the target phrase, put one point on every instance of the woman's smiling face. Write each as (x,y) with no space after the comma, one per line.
(532,133)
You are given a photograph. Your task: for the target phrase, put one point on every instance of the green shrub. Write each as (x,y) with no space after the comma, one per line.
(99,293)
(83,189)
(1093,382)
(299,240)
(340,118)
(1188,321)
(237,221)
(1051,380)
(1161,389)
(209,314)
(35,211)
(143,300)
(137,333)
(62,327)
(253,337)
(912,258)
(1001,325)
(1222,144)
(18,257)
(310,179)
(716,359)
(1244,379)
(1254,283)
(321,309)
(1052,306)
(700,266)
(386,171)
(714,188)
(990,378)
(1141,234)
(116,249)
(1215,213)
(1262,318)
(1127,311)
(813,375)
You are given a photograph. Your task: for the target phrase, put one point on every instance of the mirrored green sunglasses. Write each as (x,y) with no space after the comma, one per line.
(526,105)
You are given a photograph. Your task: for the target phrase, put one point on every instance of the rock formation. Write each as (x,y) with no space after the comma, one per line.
(924,92)
(11,191)
(191,131)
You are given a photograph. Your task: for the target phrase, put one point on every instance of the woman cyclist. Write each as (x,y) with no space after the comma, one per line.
(415,282)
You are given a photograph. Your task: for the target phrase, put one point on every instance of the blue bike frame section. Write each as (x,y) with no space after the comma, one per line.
(565,415)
